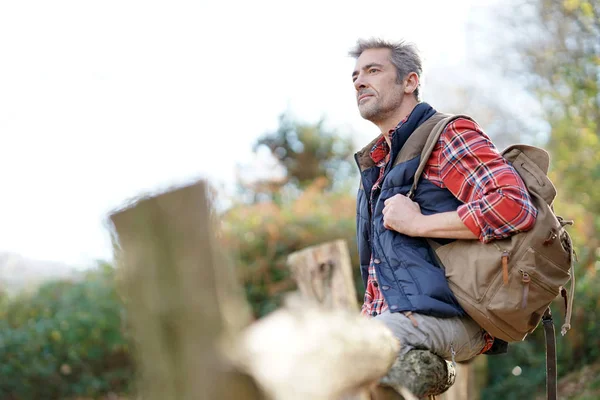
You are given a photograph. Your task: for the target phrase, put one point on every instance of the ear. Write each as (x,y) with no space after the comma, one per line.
(411,83)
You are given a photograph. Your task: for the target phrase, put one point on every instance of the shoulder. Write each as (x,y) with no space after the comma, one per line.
(465,131)
(463,125)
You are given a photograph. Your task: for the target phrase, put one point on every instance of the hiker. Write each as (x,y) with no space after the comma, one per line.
(467,191)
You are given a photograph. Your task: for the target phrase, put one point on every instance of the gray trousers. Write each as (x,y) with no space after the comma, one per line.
(453,339)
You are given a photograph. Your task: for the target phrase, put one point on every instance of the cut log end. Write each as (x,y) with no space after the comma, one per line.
(420,372)
(323,355)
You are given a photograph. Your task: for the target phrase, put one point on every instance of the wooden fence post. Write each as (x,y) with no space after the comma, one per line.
(181,297)
(324,273)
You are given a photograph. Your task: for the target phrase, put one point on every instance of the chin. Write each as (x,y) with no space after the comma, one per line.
(367,114)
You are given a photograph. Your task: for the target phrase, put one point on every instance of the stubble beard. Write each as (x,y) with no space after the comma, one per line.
(372,111)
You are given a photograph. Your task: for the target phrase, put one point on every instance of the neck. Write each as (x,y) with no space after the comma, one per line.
(391,121)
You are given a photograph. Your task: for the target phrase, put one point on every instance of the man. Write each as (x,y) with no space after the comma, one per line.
(468,191)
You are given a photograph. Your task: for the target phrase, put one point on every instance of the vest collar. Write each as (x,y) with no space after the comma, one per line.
(417,116)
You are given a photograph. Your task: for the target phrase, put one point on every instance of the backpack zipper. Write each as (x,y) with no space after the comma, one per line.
(505,257)
(525,279)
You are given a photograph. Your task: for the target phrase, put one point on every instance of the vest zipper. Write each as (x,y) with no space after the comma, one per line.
(367,195)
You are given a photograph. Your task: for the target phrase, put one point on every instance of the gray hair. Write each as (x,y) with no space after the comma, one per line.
(404,56)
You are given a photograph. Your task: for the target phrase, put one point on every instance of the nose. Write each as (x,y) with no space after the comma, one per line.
(359,83)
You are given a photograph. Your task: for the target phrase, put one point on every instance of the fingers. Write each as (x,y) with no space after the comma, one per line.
(394,196)
(386,225)
(390,199)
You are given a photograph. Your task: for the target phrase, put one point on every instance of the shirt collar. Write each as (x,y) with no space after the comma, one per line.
(380,149)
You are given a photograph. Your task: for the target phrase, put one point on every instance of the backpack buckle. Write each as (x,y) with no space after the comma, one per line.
(551,237)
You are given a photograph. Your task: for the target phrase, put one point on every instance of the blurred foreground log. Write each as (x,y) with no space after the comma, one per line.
(306,352)
(186,314)
(181,297)
(324,274)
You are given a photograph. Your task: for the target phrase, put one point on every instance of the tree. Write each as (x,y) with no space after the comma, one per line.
(298,197)
(308,151)
(552,48)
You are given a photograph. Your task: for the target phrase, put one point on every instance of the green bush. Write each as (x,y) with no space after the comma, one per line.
(65,340)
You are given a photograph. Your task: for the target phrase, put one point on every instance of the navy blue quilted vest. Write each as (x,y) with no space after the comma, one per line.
(408,274)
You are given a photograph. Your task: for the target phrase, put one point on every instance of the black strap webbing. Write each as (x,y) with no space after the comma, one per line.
(550,355)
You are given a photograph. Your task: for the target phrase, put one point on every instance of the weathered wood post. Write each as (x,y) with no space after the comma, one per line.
(324,273)
(183,302)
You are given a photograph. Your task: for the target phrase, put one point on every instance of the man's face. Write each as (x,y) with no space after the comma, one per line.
(378,94)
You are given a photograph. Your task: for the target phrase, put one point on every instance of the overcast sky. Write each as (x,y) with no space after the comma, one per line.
(103,100)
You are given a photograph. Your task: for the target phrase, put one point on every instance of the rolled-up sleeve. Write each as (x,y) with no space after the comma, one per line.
(496,202)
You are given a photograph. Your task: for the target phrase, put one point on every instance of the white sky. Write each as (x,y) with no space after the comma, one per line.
(103,100)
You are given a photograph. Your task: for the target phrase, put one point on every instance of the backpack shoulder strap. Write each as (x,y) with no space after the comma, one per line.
(432,140)
(416,141)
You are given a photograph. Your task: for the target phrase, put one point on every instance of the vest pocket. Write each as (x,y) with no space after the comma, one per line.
(521,302)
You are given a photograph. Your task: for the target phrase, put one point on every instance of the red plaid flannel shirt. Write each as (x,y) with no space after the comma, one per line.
(464,161)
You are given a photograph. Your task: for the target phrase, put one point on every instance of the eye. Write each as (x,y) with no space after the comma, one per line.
(373,70)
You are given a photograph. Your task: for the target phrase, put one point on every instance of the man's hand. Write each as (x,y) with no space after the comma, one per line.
(402,215)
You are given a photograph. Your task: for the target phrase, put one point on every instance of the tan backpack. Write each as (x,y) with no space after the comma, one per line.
(507,285)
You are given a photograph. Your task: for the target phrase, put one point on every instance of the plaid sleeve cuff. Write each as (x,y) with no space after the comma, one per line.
(467,215)
(504,216)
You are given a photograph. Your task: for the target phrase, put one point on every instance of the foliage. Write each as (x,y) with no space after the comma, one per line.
(312,205)
(308,151)
(65,340)
(262,235)
(558,48)
(583,384)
